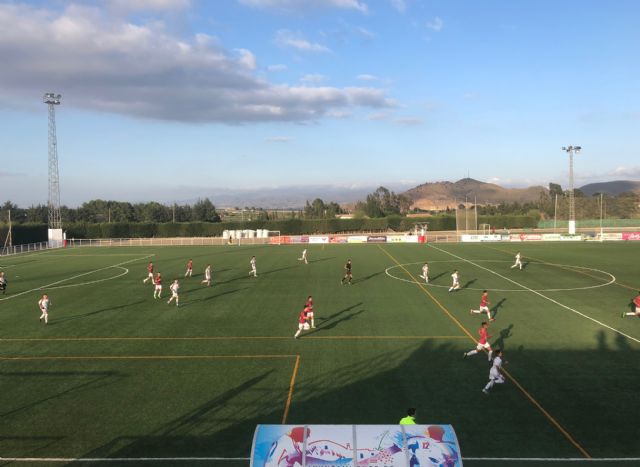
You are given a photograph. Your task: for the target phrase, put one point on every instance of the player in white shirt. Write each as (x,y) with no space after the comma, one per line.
(518,263)
(175,292)
(207,276)
(425,272)
(3,283)
(455,278)
(44,304)
(495,373)
(254,271)
(304,256)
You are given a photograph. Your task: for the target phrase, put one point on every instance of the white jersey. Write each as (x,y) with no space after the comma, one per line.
(253,263)
(518,258)
(175,288)
(207,273)
(495,369)
(43,303)
(454,277)
(425,270)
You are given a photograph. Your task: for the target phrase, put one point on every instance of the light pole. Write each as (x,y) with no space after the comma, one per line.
(571,150)
(55,221)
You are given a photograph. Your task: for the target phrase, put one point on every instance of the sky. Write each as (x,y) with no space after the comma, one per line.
(171,100)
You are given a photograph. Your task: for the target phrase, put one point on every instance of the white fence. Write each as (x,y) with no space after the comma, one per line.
(26,248)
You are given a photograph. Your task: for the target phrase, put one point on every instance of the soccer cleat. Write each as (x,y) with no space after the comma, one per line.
(470,311)
(485,391)
(624,314)
(492,319)
(464,355)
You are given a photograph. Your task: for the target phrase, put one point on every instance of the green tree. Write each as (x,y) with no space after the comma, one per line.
(204,211)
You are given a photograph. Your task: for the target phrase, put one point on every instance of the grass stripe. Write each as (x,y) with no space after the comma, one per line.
(549,417)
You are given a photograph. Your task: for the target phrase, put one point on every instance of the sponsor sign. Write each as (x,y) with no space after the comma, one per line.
(355,446)
(528,237)
(635,236)
(357,239)
(611,236)
(337,239)
(481,238)
(570,238)
(377,239)
(395,238)
(551,237)
(315,239)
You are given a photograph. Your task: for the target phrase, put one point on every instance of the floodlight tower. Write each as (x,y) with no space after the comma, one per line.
(55,221)
(571,150)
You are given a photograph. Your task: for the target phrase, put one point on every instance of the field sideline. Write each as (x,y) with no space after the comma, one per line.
(119,375)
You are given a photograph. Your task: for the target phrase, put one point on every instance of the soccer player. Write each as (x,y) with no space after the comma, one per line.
(347,273)
(44,303)
(254,271)
(635,307)
(189,271)
(484,308)
(302,323)
(175,292)
(425,272)
(455,277)
(483,343)
(149,273)
(309,306)
(518,262)
(304,256)
(157,291)
(3,283)
(495,373)
(207,276)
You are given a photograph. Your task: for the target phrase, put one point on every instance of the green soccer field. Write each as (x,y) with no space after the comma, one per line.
(117,374)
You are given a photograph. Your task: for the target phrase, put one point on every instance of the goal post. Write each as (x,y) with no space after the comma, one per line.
(274,237)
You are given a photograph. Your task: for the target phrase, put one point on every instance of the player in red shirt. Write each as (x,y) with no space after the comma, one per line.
(157,291)
(309,307)
(635,307)
(483,343)
(484,306)
(302,323)
(189,269)
(149,273)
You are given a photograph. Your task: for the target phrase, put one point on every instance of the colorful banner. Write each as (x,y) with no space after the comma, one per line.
(481,238)
(337,239)
(355,446)
(314,239)
(635,236)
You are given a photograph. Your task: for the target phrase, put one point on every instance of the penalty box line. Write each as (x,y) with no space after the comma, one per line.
(75,277)
(562,305)
(531,399)
(292,382)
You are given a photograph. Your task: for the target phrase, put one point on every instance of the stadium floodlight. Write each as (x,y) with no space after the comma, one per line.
(571,150)
(55,222)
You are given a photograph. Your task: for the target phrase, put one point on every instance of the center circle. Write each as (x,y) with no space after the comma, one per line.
(611,277)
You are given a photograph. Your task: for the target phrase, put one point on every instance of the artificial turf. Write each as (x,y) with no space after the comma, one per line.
(116,373)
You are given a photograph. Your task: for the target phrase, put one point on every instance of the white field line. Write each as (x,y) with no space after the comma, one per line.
(74,277)
(126,271)
(617,331)
(205,459)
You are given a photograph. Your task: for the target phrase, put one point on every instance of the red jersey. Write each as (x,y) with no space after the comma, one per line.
(157,280)
(484,300)
(483,335)
(636,301)
(150,268)
(190,264)
(309,303)
(303,317)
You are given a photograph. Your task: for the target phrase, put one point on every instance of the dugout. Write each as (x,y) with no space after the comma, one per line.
(368,445)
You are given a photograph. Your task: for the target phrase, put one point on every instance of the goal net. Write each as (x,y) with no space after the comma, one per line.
(274,237)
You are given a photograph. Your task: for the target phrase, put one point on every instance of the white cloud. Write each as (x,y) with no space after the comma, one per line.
(277,67)
(278,139)
(313,78)
(365,77)
(399,5)
(286,38)
(149,5)
(365,33)
(107,64)
(436,24)
(409,121)
(625,172)
(305,5)
(377,116)
(247,58)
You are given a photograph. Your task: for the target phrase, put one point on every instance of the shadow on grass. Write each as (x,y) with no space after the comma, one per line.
(496,308)
(63,319)
(366,278)
(468,284)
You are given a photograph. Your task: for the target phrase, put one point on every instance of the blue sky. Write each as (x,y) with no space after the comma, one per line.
(179,99)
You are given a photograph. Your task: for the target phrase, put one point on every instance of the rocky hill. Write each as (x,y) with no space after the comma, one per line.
(613,188)
(440,195)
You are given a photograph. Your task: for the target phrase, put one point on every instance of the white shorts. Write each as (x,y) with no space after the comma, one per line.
(484,308)
(159,288)
(483,346)
(456,284)
(310,314)
(496,376)
(150,275)
(174,294)
(303,326)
